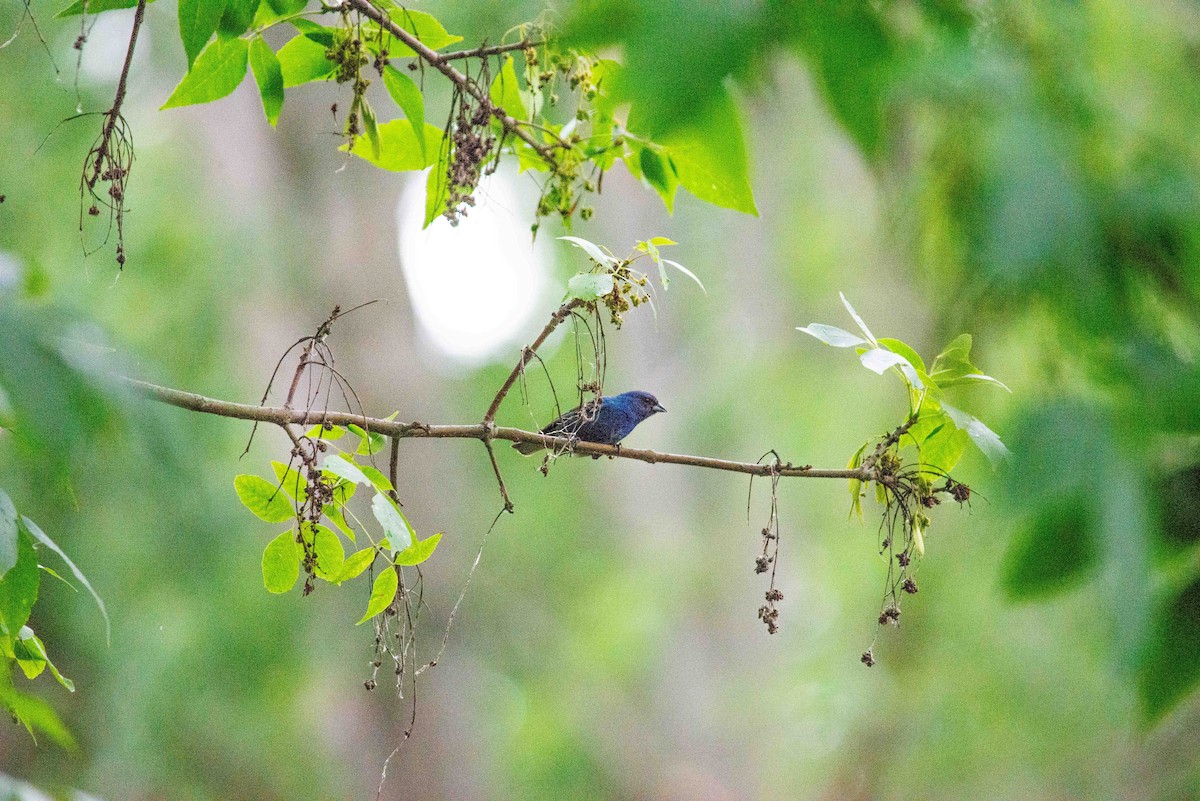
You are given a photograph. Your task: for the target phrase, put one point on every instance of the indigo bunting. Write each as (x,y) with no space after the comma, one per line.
(607,423)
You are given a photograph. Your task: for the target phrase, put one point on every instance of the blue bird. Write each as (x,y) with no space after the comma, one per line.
(607,423)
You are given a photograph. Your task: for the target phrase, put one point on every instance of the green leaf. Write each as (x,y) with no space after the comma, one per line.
(437,190)
(594,251)
(319,432)
(40,536)
(95,7)
(34,713)
(399,149)
(263,498)
(953,366)
(1170,669)
(369,443)
(281,563)
(218,70)
(879,360)
(408,97)
(318,33)
(1053,551)
(35,652)
(8,533)
(237,17)
(855,483)
(505,91)
(904,350)
(370,127)
(335,516)
(269,76)
(422,25)
(984,438)
(686,272)
(197,22)
(590,286)
(383,592)
(291,482)
(832,335)
(19,588)
(340,467)
(709,157)
(302,60)
(941,450)
(330,554)
(656,170)
(399,533)
(418,552)
(355,564)
(378,479)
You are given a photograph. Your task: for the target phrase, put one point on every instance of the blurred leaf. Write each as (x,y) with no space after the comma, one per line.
(19,588)
(383,592)
(1052,551)
(197,22)
(237,17)
(218,70)
(399,149)
(1179,504)
(953,366)
(418,552)
(399,533)
(34,714)
(371,128)
(302,60)
(590,286)
(686,272)
(260,496)
(410,100)
(856,484)
(281,563)
(1171,667)
(656,170)
(831,335)
(40,536)
(95,7)
(355,564)
(269,76)
(8,533)
(339,466)
(505,91)
(708,157)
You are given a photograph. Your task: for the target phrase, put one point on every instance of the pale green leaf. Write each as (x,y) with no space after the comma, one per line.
(832,335)
(330,554)
(8,533)
(399,533)
(281,563)
(340,467)
(594,252)
(590,286)
(984,438)
(40,536)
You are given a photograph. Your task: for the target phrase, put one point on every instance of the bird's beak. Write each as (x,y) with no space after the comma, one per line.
(658,408)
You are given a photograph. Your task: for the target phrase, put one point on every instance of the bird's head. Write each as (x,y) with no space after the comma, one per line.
(643,404)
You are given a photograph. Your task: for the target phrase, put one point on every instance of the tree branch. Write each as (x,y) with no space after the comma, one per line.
(283,417)
(442,64)
(563,313)
(493,50)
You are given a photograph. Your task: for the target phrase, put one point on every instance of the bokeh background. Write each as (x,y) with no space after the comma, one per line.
(1035,185)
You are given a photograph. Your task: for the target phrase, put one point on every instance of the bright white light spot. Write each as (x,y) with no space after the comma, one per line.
(474,288)
(103,54)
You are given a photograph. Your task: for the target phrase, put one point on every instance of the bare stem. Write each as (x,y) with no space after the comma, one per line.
(563,313)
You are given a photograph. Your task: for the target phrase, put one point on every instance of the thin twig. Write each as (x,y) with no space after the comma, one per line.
(492,50)
(563,312)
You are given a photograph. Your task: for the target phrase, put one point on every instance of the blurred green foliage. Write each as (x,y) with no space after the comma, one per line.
(1027,172)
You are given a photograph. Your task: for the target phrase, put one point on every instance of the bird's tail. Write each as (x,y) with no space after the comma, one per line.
(527,447)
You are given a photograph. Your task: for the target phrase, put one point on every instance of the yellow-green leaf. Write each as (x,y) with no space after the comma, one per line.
(263,498)
(356,563)
(281,563)
(383,592)
(217,71)
(419,551)
(399,149)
